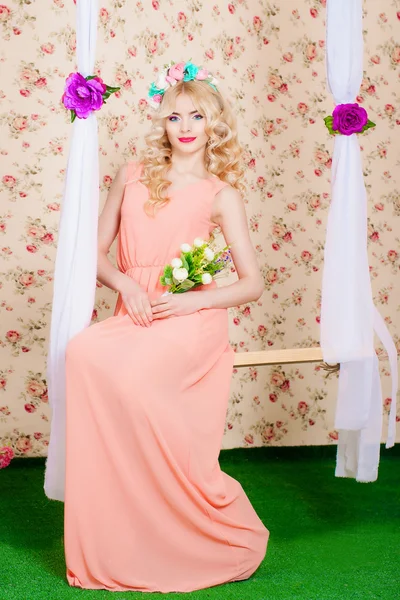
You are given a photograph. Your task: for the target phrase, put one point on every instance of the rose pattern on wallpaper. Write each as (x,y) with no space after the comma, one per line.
(270,61)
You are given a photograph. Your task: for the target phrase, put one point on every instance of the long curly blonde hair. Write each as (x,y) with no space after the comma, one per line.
(223,152)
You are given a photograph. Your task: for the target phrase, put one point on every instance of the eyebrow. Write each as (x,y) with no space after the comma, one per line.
(191,113)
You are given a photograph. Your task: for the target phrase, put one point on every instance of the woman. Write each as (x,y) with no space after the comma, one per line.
(146,505)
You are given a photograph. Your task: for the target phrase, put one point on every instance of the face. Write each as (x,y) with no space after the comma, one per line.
(187,123)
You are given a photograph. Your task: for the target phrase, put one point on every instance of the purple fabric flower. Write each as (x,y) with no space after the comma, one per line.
(83,96)
(349,118)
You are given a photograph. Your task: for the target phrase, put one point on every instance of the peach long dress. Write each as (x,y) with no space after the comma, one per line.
(147,506)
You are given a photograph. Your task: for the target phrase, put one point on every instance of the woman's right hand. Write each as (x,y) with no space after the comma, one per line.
(137,303)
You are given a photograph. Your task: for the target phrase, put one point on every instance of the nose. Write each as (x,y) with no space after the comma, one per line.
(185,127)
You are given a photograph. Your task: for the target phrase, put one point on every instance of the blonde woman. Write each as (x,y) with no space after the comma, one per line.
(147,506)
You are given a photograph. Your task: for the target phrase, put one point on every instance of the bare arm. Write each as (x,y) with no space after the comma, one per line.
(107,231)
(230,214)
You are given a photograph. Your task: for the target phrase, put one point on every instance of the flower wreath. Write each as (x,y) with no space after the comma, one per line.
(174,72)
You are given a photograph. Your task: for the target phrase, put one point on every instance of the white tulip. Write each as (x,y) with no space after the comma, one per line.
(198,242)
(176,263)
(180,274)
(209,254)
(206,278)
(186,247)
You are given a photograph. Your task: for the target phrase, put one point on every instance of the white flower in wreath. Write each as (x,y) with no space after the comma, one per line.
(153,103)
(180,274)
(161,83)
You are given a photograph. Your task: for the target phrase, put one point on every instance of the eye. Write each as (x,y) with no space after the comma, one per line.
(173,117)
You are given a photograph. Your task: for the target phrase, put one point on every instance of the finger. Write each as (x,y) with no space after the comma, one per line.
(143,313)
(159,307)
(132,316)
(136,312)
(163,314)
(159,301)
(139,315)
(148,309)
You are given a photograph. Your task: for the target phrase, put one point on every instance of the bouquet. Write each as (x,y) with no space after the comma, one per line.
(197,265)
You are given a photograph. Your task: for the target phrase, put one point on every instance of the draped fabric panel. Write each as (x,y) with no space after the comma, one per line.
(76,260)
(348,315)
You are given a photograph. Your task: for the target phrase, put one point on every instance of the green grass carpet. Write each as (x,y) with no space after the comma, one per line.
(330,538)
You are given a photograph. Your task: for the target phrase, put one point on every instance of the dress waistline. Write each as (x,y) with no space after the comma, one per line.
(132,268)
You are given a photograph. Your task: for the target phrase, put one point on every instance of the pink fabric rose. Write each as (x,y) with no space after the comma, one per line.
(176,71)
(202,74)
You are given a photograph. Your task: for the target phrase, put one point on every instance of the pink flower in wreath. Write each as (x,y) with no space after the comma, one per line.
(201,74)
(176,71)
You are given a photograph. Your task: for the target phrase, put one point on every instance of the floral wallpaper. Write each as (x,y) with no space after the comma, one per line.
(270,60)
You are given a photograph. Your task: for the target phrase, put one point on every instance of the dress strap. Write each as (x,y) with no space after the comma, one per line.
(133,171)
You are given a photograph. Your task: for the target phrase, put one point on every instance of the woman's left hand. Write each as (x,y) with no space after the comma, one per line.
(176,305)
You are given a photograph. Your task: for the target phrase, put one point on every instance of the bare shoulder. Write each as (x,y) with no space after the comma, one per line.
(227,200)
(230,193)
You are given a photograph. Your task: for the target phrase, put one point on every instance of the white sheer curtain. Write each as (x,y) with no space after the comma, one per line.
(348,315)
(76,261)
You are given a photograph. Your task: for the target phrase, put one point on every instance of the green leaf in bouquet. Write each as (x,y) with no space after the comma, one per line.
(197,279)
(186,285)
(185,264)
(168,271)
(191,267)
